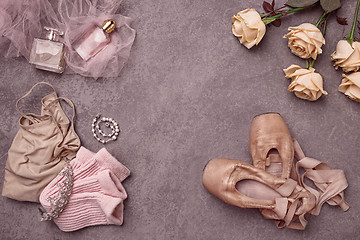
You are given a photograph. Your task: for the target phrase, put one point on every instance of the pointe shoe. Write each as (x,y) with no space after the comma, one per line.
(281,199)
(271,145)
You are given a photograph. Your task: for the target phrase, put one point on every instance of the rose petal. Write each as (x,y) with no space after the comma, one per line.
(290,70)
(248,27)
(353,61)
(251,17)
(350,86)
(300,72)
(305,40)
(354,91)
(306,83)
(303,95)
(302,36)
(346,56)
(343,50)
(237,29)
(317,80)
(261,32)
(250,34)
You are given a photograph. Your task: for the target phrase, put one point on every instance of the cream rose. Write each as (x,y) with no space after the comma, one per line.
(305,83)
(305,40)
(350,86)
(346,56)
(248,27)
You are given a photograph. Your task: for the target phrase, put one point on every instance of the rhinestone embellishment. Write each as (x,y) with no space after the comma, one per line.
(60,199)
(96,125)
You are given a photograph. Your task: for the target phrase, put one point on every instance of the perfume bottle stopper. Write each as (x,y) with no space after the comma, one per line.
(109,26)
(53,33)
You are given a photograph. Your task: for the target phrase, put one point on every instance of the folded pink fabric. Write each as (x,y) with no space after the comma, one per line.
(97,195)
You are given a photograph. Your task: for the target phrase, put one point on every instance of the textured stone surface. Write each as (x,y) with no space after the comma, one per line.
(188,94)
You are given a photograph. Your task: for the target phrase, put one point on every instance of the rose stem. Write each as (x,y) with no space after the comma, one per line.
(273,18)
(311,63)
(318,22)
(323,32)
(350,36)
(325,24)
(268,13)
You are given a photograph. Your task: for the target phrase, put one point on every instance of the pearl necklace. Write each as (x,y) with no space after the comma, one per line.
(109,123)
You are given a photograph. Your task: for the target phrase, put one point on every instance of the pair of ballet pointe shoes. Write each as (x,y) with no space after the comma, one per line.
(273,184)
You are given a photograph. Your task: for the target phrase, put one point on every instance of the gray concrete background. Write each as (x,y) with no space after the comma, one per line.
(188,94)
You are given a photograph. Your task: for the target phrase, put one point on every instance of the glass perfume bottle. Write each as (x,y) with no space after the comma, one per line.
(48,54)
(94,39)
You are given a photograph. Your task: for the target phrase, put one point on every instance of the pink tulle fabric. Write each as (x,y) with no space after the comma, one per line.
(21,21)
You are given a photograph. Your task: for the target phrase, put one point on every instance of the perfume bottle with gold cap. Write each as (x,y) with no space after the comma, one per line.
(94,39)
(48,54)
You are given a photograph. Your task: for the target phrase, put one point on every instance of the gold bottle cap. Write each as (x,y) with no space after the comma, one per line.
(109,25)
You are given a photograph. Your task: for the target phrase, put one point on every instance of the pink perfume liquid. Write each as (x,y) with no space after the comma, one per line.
(91,42)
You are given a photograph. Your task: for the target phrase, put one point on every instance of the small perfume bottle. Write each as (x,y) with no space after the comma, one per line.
(48,54)
(94,39)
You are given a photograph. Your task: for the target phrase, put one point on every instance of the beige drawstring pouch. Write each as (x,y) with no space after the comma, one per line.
(40,148)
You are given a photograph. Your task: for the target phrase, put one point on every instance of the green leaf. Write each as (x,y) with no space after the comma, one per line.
(330,5)
(300,3)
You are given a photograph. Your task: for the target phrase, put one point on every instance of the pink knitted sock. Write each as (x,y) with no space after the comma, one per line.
(87,164)
(97,195)
(107,161)
(84,154)
(96,200)
(79,170)
(90,163)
